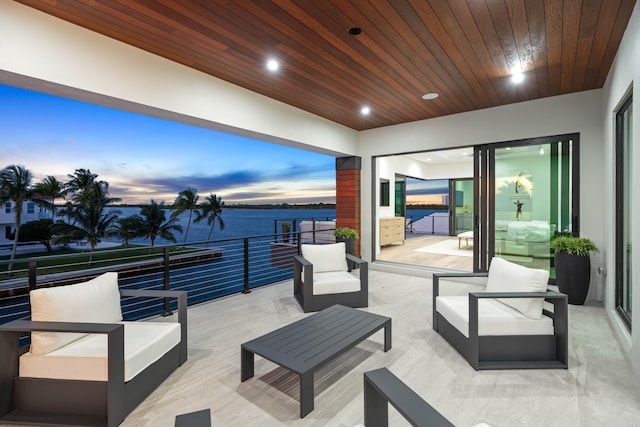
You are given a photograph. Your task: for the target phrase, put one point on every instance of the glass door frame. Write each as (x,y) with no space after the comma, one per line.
(620,196)
(484,193)
(454,203)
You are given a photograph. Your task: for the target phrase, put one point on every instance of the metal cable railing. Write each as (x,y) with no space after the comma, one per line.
(207,270)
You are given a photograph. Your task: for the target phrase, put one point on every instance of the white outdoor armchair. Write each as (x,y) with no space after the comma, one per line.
(505,325)
(322,277)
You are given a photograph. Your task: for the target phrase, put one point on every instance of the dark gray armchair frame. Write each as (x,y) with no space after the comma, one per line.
(382,387)
(43,401)
(303,286)
(507,351)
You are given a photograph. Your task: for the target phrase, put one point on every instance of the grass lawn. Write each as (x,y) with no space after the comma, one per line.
(68,259)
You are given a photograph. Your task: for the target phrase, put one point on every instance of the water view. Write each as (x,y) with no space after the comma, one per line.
(241,223)
(238,223)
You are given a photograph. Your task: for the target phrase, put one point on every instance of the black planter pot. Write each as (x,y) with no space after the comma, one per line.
(349,243)
(286,230)
(573,273)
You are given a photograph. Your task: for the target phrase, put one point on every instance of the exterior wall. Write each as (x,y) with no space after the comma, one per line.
(623,77)
(580,112)
(8,218)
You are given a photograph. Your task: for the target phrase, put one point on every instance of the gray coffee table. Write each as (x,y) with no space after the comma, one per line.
(308,344)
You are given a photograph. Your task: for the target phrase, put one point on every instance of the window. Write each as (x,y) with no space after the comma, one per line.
(384,192)
(400,196)
(7,233)
(31,208)
(624,213)
(7,207)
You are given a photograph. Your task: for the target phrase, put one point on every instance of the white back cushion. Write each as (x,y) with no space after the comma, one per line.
(331,257)
(505,276)
(94,301)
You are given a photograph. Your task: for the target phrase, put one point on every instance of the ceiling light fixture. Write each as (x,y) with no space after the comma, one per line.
(431,95)
(541,151)
(517,77)
(354,31)
(365,111)
(273,65)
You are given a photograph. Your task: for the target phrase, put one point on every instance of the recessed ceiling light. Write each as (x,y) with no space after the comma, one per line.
(273,65)
(355,31)
(431,95)
(429,159)
(365,111)
(517,77)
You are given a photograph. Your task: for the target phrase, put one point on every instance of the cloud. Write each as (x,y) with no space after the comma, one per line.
(204,184)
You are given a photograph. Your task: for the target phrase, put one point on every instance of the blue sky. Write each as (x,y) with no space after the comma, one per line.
(146,158)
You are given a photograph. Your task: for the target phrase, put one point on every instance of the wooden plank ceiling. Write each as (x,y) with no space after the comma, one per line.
(462,50)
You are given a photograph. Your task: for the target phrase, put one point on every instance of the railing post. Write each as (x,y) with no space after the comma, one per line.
(167,284)
(313,230)
(275,230)
(33,274)
(246,289)
(294,223)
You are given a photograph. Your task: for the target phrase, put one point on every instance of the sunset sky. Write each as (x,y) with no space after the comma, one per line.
(146,158)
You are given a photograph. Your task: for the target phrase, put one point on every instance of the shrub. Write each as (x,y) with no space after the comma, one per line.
(573,245)
(346,233)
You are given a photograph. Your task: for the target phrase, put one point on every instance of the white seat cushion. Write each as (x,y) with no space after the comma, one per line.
(86,358)
(331,257)
(335,282)
(94,301)
(466,235)
(494,318)
(505,276)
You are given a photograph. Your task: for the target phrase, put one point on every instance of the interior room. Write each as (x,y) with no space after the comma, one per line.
(431,239)
(554,155)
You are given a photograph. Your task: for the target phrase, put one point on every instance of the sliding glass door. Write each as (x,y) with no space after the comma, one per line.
(529,188)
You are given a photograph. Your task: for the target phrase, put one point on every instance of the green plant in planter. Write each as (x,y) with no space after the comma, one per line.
(573,245)
(348,236)
(573,266)
(345,233)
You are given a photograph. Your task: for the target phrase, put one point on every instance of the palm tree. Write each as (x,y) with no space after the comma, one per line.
(81,179)
(91,222)
(50,187)
(15,186)
(212,211)
(155,224)
(68,210)
(127,228)
(187,200)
